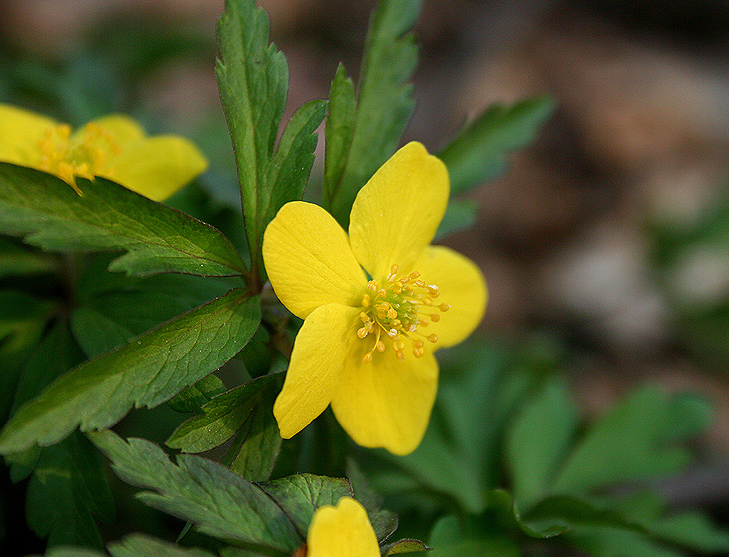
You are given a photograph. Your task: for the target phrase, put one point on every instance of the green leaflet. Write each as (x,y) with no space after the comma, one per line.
(67,485)
(22,320)
(459,453)
(243,412)
(362,135)
(539,441)
(139,545)
(113,308)
(479,153)
(633,441)
(253,82)
(271,515)
(219,502)
(460,214)
(17,260)
(46,212)
(148,371)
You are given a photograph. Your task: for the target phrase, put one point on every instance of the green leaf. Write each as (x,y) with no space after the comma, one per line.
(449,538)
(22,320)
(147,371)
(302,494)
(366,137)
(406,546)
(219,502)
(459,454)
(245,410)
(538,441)
(47,212)
(384,522)
(253,82)
(15,260)
(192,398)
(479,152)
(629,443)
(114,308)
(140,545)
(67,487)
(460,215)
(691,529)
(72,552)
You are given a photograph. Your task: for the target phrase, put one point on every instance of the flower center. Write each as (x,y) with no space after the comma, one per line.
(394,311)
(85,155)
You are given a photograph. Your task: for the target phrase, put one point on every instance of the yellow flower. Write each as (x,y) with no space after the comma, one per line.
(113,147)
(376,304)
(341,531)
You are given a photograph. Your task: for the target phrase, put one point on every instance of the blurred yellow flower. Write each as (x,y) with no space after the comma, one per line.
(376,304)
(114,147)
(341,531)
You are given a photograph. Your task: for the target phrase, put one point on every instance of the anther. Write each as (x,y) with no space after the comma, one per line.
(432,338)
(366,301)
(444,307)
(434,317)
(367,358)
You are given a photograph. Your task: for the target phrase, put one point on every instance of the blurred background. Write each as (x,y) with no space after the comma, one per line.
(607,240)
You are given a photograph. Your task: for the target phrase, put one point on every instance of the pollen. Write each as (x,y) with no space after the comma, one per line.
(84,154)
(391,312)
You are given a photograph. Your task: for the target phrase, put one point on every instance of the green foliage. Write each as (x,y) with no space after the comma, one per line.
(363,130)
(243,412)
(253,81)
(691,264)
(479,152)
(147,371)
(47,212)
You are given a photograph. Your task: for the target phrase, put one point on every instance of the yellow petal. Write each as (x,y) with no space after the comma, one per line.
(342,531)
(309,261)
(123,129)
(320,352)
(386,402)
(20,132)
(396,214)
(461,285)
(157,167)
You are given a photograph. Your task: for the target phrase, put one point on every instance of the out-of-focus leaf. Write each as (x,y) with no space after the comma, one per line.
(479,152)
(538,441)
(459,454)
(365,137)
(459,215)
(245,411)
(449,538)
(147,371)
(22,320)
(67,485)
(384,522)
(14,260)
(253,82)
(114,308)
(219,502)
(47,212)
(140,545)
(67,488)
(630,442)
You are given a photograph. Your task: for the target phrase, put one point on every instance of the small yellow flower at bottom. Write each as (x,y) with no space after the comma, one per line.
(367,343)
(114,147)
(342,531)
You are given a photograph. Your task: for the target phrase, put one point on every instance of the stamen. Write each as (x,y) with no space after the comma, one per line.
(390,311)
